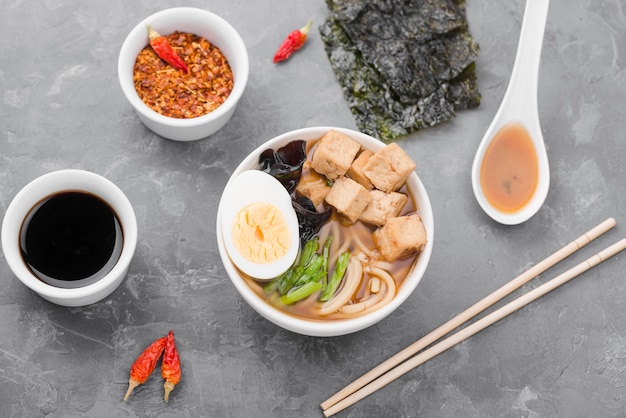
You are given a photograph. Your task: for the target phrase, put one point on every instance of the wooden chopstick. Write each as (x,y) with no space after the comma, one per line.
(472,311)
(467,314)
(476,327)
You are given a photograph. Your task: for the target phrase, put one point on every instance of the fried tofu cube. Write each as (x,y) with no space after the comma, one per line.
(334,154)
(355,172)
(349,198)
(313,186)
(389,168)
(383,207)
(400,237)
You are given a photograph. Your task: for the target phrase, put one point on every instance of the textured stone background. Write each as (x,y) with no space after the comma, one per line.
(61,107)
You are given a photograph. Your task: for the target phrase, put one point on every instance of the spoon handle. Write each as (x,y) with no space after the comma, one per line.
(524,77)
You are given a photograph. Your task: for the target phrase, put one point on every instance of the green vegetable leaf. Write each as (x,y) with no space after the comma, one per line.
(300,293)
(336,278)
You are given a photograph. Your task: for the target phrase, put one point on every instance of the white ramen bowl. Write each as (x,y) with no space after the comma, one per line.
(53,183)
(329,328)
(204,24)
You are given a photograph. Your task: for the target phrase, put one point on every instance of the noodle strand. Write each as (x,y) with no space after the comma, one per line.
(378,300)
(354,274)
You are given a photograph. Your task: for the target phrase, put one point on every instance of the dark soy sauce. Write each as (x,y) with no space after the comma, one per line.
(71,239)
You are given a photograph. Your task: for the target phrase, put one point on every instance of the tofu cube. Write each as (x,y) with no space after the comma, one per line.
(314,186)
(334,154)
(349,198)
(355,172)
(400,237)
(383,207)
(389,168)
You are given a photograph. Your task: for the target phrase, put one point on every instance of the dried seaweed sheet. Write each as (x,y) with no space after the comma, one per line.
(403,65)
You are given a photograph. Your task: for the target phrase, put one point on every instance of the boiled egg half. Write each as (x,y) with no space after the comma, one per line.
(259,225)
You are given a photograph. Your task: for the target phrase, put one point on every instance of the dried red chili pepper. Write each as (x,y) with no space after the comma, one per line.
(165,51)
(144,365)
(292,42)
(170,366)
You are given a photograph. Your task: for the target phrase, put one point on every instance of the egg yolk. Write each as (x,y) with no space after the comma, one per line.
(260,233)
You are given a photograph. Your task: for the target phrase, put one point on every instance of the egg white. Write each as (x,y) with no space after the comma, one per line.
(254,186)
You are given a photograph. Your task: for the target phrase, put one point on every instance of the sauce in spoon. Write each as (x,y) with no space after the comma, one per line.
(510,169)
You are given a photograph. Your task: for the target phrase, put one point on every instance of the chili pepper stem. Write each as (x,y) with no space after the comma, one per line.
(168,387)
(132,384)
(306,28)
(152,34)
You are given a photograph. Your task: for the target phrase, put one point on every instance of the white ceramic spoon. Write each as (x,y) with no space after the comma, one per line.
(519,105)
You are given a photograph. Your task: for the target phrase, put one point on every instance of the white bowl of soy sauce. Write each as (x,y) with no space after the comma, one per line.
(69,236)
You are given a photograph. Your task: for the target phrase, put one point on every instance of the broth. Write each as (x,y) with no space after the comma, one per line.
(307,308)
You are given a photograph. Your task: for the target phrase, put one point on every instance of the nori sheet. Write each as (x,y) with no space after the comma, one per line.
(403,65)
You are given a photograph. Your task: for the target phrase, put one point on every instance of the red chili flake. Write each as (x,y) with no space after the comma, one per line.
(292,42)
(165,51)
(144,365)
(170,366)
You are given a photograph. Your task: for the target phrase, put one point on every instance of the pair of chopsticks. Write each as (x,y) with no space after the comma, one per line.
(398,365)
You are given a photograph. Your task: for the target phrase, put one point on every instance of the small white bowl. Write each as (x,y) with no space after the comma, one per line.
(204,24)
(329,328)
(49,184)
